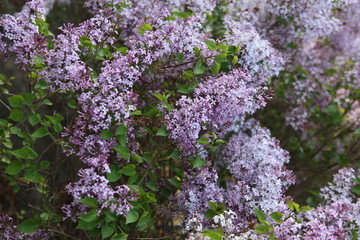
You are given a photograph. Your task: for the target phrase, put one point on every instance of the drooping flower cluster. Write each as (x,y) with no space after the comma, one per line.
(19,34)
(337,218)
(217,103)
(320,37)
(9,231)
(93,185)
(258,56)
(255,164)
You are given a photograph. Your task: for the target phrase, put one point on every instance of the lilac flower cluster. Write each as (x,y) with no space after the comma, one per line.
(20,36)
(255,163)
(198,189)
(93,185)
(258,55)
(315,35)
(337,218)
(217,103)
(9,231)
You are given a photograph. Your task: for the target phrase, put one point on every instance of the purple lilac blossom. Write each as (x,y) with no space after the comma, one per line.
(20,35)
(258,56)
(215,106)
(93,185)
(335,219)
(257,166)
(9,231)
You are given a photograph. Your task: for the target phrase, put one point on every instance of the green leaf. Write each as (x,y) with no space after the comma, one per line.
(260,215)
(39,133)
(152,185)
(293,206)
(213,205)
(28,226)
(216,233)
(128,170)
(143,221)
(4,123)
(25,153)
(14,167)
(175,154)
(276,216)
(106,134)
(44,165)
(85,41)
(175,182)
(179,56)
(182,88)
(223,47)
(354,234)
(123,50)
(72,103)
(123,151)
(34,118)
(89,217)
(182,15)
(107,230)
(237,50)
(235,60)
(32,175)
(199,68)
(132,217)
(219,141)
(16,101)
(47,102)
(305,209)
(110,217)
(137,158)
(211,45)
(203,140)
(216,68)
(89,201)
(356,189)
(28,98)
(146,27)
(120,236)
(122,140)
(121,130)
(222,57)
(199,162)
(8,144)
(16,115)
(114,175)
(357,131)
(83,225)
(261,228)
(132,179)
(209,214)
(57,127)
(162,132)
(160,97)
(41,85)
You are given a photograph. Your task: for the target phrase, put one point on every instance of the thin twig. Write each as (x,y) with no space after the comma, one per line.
(5,105)
(62,233)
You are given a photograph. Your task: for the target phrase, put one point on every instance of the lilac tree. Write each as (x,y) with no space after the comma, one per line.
(164,97)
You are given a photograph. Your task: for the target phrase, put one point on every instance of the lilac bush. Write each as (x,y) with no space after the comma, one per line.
(172,112)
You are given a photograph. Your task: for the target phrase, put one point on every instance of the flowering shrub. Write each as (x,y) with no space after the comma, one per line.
(172,111)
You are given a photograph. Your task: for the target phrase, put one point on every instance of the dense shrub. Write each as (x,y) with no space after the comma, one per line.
(183,120)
